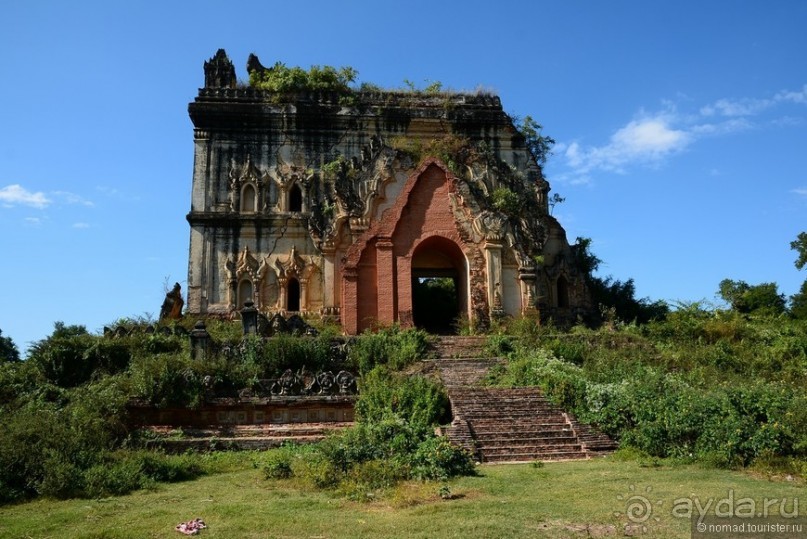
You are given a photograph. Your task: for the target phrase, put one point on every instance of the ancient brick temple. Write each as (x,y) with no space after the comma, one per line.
(351,205)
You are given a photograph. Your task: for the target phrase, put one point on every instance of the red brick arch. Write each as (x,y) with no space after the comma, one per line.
(377,268)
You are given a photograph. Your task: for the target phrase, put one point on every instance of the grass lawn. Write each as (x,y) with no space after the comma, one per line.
(568,499)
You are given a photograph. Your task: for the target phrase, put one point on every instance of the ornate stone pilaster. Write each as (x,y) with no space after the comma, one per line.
(528,293)
(329,276)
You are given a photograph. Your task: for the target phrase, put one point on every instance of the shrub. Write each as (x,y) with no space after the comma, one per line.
(422,401)
(437,458)
(277,463)
(391,346)
(282,79)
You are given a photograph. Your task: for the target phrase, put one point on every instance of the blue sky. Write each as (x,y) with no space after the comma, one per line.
(681,130)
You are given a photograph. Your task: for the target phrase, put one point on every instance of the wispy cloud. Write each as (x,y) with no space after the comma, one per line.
(71,198)
(651,138)
(647,139)
(746,106)
(17,195)
(81,225)
(801,191)
(33,221)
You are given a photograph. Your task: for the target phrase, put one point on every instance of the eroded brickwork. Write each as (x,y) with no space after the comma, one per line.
(310,203)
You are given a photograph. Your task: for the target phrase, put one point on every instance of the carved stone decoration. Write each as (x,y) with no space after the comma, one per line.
(240,175)
(346,382)
(304,382)
(246,264)
(491,225)
(290,383)
(310,184)
(254,65)
(296,325)
(172,305)
(327,382)
(219,71)
(244,267)
(287,175)
(294,267)
(278,325)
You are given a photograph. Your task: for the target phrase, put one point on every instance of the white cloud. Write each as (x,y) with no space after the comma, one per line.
(799,96)
(732,125)
(649,137)
(33,221)
(71,198)
(646,140)
(738,107)
(16,194)
(81,225)
(652,138)
(746,106)
(801,191)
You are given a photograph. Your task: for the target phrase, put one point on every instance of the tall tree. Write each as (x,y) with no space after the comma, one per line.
(800,246)
(612,294)
(8,350)
(798,301)
(745,298)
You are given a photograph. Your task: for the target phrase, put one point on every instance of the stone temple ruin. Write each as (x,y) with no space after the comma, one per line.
(347,205)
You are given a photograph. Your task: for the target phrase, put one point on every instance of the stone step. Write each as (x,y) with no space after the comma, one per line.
(505,424)
(250,431)
(483,427)
(516,410)
(459,346)
(518,436)
(240,437)
(235,444)
(531,456)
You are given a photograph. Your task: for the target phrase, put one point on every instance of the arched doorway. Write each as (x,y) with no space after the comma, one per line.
(245,292)
(293,295)
(439,285)
(248,199)
(562,292)
(295,198)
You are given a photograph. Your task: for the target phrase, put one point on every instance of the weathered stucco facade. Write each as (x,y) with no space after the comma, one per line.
(340,206)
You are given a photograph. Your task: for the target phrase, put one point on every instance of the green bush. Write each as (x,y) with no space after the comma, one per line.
(114,479)
(383,393)
(436,458)
(271,357)
(278,464)
(393,440)
(393,346)
(282,79)
(369,457)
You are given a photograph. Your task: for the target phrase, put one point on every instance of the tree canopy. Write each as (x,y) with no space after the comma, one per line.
(8,350)
(613,295)
(744,298)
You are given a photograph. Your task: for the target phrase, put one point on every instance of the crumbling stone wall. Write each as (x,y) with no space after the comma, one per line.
(286,187)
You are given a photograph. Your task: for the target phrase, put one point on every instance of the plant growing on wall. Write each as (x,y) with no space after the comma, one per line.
(283,79)
(540,146)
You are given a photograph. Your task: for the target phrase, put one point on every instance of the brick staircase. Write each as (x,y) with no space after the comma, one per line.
(457,347)
(507,424)
(236,437)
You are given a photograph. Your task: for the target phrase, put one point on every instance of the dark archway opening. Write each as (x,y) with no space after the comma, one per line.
(295,198)
(436,304)
(439,286)
(293,295)
(563,292)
